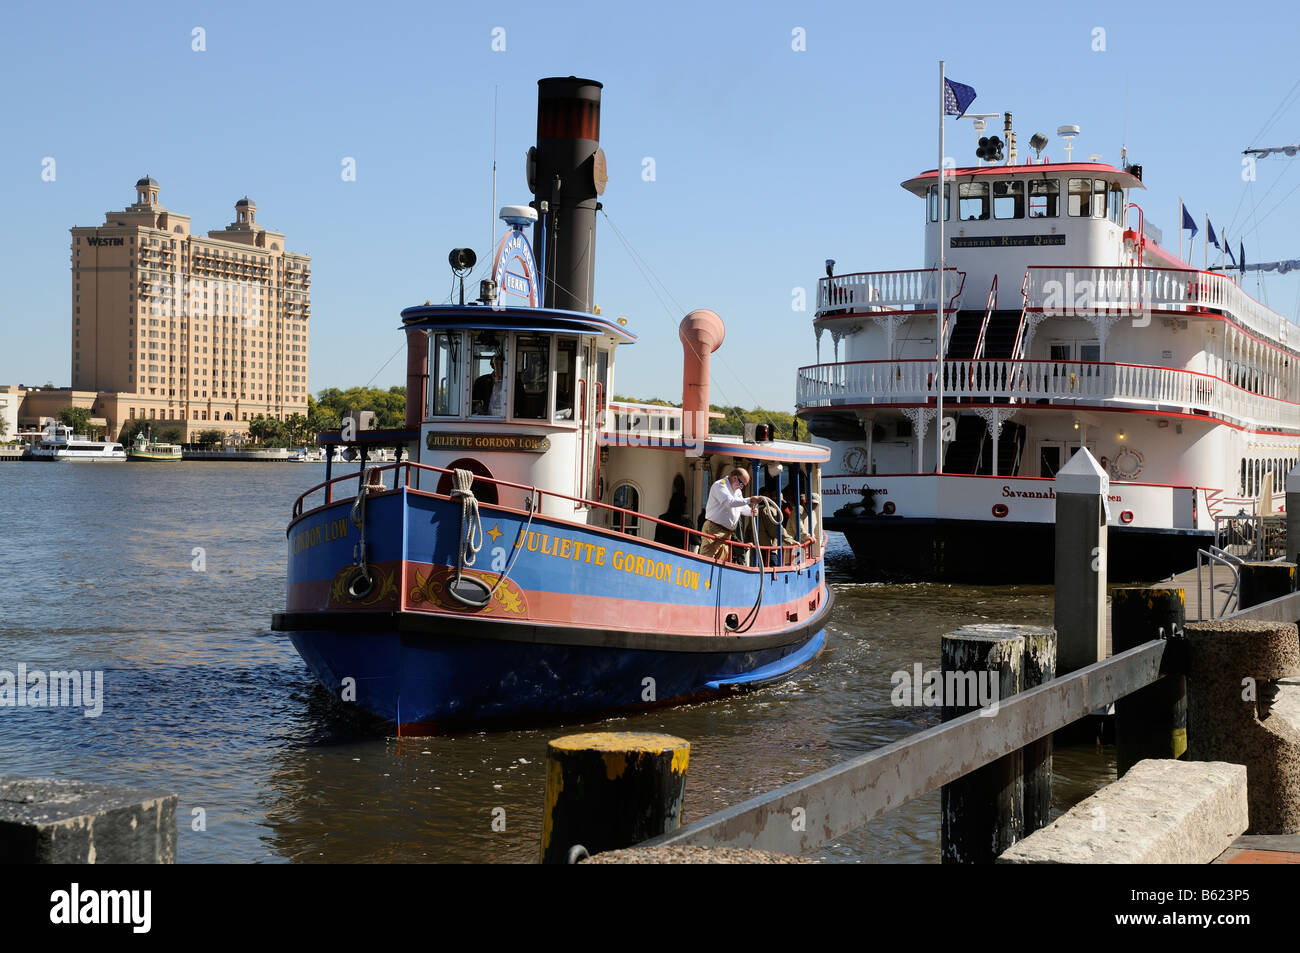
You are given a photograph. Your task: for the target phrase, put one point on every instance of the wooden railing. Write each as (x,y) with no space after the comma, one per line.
(1136,385)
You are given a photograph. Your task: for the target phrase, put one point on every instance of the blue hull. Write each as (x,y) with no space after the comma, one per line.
(425,681)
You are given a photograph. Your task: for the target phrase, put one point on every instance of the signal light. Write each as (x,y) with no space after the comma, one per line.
(990,149)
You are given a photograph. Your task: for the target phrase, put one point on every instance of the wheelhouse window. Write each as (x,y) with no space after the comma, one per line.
(1009,199)
(1080,198)
(444,374)
(488,365)
(973,201)
(532,376)
(1116,205)
(566,373)
(1044,198)
(932,203)
(1098,198)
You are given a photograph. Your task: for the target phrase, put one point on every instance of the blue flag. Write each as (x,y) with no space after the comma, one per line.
(1188,223)
(957,98)
(1241,253)
(1227,247)
(1214,240)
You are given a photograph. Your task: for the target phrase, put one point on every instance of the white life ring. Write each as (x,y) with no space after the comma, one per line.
(1128,463)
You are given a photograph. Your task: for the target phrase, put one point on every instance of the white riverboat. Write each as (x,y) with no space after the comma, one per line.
(60,445)
(1066,324)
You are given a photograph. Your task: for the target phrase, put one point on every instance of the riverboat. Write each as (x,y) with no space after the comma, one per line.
(1065,322)
(60,445)
(145,450)
(508,565)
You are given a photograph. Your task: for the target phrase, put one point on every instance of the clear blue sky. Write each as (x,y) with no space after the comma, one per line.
(767,159)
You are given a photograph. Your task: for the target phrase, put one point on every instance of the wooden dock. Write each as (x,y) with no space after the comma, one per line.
(1214,601)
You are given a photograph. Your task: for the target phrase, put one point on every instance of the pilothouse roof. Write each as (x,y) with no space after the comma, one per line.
(1127,180)
(483,317)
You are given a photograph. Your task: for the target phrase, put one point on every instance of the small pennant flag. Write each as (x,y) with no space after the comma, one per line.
(1188,223)
(1214,239)
(957,98)
(1228,248)
(1241,254)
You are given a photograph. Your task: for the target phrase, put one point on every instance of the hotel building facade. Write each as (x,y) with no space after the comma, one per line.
(183,330)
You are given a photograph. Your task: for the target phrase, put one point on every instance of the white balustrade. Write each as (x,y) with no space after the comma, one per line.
(880,291)
(1073,290)
(1058,382)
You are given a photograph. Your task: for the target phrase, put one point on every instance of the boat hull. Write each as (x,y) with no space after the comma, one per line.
(581,619)
(985,552)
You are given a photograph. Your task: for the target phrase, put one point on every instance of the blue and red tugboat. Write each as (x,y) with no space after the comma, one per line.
(511,564)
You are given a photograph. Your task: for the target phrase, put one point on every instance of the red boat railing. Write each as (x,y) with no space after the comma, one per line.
(774,557)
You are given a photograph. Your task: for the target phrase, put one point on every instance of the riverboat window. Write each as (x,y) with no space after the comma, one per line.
(533,376)
(1044,198)
(1099,198)
(602,378)
(932,203)
(444,374)
(1009,199)
(627,498)
(566,373)
(1079,203)
(488,367)
(973,201)
(1116,205)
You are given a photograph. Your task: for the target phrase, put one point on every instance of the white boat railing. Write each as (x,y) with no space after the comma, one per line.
(1074,290)
(1058,382)
(886,291)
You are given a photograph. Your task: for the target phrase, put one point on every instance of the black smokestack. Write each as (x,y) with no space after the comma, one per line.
(568,174)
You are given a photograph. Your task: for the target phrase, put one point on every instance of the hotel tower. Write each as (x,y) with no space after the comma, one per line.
(192,331)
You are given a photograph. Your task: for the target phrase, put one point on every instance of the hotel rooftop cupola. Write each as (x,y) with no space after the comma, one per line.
(245,211)
(146,191)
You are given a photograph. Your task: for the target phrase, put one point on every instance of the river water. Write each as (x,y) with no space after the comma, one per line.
(164,577)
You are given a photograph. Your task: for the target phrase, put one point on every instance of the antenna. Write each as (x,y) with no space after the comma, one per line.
(496,90)
(1068,132)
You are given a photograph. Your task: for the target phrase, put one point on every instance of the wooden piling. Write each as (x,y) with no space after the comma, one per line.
(1151,722)
(608,790)
(1082,487)
(1264,582)
(1040,668)
(983,813)
(64,821)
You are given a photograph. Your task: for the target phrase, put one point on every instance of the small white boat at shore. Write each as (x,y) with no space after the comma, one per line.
(60,445)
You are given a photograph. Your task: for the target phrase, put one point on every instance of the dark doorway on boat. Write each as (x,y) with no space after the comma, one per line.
(484,492)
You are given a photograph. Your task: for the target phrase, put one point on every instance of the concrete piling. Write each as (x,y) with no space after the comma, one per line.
(1081,540)
(61,821)
(1151,722)
(983,813)
(1237,711)
(609,790)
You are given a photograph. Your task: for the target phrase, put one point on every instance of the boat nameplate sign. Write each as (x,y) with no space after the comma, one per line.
(1007,241)
(507,442)
(515,271)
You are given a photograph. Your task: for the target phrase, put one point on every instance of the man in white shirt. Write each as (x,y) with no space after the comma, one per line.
(726,502)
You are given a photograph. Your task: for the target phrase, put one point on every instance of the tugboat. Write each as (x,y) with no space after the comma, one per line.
(1066,323)
(509,566)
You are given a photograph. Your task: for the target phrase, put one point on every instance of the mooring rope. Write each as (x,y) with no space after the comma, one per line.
(471,537)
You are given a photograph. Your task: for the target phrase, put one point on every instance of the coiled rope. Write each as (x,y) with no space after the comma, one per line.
(471,538)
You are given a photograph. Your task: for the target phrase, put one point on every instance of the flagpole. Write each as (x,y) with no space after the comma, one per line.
(1180,228)
(1205,252)
(939,309)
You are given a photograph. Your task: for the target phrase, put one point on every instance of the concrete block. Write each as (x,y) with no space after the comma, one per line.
(1160,812)
(59,821)
(1233,713)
